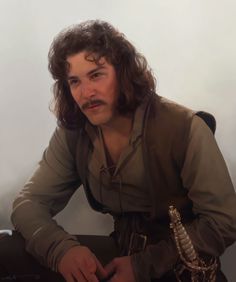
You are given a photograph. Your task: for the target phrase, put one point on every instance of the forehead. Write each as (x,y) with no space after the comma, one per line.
(85,60)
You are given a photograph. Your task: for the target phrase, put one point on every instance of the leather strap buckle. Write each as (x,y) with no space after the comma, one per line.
(137,243)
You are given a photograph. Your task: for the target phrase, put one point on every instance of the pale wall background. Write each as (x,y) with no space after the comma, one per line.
(189,44)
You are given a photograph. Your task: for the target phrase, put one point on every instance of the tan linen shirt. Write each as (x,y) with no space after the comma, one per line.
(124,190)
(55,180)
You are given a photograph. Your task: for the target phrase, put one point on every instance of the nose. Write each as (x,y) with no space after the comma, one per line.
(86,90)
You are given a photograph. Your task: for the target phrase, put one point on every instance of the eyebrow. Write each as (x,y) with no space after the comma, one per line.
(89,73)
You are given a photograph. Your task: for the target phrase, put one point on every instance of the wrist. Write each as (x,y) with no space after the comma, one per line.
(61,251)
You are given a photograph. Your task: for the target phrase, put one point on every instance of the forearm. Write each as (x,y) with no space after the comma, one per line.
(45,194)
(44,238)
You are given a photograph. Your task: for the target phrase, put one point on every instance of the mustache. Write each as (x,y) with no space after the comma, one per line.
(91,103)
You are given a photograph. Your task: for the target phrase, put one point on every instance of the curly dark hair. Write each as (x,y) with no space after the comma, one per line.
(101,39)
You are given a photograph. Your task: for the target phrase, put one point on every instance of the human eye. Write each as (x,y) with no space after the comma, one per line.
(73,82)
(96,75)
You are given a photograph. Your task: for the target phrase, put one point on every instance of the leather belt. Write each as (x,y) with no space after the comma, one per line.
(137,243)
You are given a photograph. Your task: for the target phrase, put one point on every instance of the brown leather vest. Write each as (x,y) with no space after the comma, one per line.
(165,141)
(167,127)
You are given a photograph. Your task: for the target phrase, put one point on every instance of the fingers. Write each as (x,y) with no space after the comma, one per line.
(90,277)
(114,278)
(93,278)
(100,271)
(120,270)
(75,275)
(69,278)
(80,264)
(87,272)
(81,274)
(78,276)
(91,264)
(110,268)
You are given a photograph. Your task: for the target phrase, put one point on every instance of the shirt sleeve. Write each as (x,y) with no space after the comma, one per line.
(211,191)
(45,194)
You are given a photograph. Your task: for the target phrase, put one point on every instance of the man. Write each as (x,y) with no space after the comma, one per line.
(136,155)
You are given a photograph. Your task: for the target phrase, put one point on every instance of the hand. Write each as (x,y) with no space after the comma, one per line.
(80,264)
(120,270)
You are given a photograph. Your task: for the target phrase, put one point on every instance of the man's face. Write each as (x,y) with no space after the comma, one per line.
(94,88)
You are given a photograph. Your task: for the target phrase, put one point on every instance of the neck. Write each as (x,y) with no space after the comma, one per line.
(116,136)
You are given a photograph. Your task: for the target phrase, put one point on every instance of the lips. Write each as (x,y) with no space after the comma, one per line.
(93,106)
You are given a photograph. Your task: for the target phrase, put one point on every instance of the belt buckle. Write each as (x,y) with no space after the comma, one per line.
(137,243)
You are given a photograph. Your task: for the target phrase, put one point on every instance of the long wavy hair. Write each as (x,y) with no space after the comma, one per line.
(135,78)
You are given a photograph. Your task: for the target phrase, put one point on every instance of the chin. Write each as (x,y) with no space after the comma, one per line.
(98,121)
(102,118)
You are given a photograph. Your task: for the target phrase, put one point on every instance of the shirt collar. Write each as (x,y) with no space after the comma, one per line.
(138,122)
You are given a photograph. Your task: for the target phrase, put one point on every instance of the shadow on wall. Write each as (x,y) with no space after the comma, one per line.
(79,218)
(5,209)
